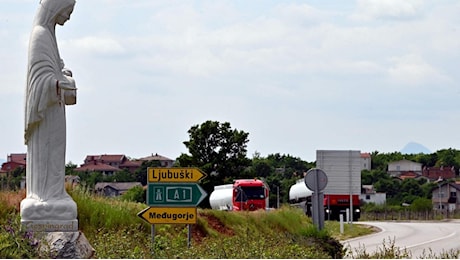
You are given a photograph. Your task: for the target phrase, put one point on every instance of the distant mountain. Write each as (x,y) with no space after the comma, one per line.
(414,148)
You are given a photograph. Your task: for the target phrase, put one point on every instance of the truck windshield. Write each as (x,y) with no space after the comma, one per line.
(251,193)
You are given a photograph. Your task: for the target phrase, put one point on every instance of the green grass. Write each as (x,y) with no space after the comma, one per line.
(115,231)
(349,231)
(13,243)
(96,212)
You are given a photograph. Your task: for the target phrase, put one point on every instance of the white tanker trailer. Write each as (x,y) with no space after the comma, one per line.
(300,195)
(221,197)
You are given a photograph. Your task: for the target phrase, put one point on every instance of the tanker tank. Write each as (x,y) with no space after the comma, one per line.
(299,192)
(221,197)
(300,196)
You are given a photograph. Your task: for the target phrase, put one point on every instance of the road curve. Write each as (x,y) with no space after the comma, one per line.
(420,238)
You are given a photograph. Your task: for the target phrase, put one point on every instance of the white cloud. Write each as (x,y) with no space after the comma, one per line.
(95,45)
(412,69)
(299,14)
(387,9)
(271,68)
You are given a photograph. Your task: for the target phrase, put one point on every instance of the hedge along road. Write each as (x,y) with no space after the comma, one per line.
(440,236)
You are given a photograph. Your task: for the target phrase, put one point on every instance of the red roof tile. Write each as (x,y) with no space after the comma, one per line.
(17,157)
(106,158)
(93,167)
(365,155)
(155,157)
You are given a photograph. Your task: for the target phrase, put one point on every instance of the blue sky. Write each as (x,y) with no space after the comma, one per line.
(298,76)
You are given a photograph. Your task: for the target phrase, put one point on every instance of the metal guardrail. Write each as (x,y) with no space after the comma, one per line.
(410,215)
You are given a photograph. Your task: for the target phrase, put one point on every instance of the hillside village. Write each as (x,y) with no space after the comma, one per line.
(106,164)
(444,196)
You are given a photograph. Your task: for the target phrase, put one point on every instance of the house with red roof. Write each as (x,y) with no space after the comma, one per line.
(164,161)
(366,161)
(435,173)
(14,161)
(95,166)
(108,164)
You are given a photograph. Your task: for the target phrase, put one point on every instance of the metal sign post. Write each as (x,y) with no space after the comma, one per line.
(316,180)
(189,235)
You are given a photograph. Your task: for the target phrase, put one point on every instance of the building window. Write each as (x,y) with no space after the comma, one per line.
(368,197)
(453,194)
(438,194)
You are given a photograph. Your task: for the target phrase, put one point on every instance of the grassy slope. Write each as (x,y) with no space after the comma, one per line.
(115,231)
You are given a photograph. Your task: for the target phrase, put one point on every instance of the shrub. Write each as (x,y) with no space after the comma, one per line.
(13,242)
(135,194)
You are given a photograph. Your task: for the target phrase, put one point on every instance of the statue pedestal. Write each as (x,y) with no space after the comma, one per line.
(49,225)
(50,215)
(65,245)
(54,223)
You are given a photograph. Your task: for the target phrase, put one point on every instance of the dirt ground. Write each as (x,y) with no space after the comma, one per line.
(198,233)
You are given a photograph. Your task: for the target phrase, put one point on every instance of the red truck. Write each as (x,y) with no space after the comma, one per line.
(334,205)
(343,169)
(243,194)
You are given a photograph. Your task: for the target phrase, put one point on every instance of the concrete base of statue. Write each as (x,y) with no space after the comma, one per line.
(49,216)
(65,245)
(49,225)
(55,226)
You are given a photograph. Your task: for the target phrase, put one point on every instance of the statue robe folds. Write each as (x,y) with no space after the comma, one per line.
(45,129)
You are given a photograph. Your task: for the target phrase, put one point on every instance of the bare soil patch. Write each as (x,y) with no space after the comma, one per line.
(198,232)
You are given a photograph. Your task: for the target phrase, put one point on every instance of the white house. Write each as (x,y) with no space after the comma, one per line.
(445,197)
(403,166)
(369,195)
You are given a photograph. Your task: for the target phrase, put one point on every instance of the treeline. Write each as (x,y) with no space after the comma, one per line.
(12,180)
(280,171)
(90,179)
(221,152)
(445,157)
(408,190)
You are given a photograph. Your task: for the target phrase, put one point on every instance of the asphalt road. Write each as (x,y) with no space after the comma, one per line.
(416,237)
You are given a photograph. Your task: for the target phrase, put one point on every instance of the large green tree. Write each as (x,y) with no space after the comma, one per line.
(218,150)
(280,173)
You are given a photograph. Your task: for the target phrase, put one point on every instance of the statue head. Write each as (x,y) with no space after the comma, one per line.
(54,11)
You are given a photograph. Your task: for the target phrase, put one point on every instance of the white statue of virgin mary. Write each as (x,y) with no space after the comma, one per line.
(49,88)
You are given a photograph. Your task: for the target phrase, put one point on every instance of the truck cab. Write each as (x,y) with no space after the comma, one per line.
(249,194)
(243,194)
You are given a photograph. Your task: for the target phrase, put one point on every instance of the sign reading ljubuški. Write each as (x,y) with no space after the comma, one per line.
(172,195)
(174,175)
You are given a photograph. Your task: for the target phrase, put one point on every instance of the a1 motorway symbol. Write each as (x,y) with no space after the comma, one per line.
(175,194)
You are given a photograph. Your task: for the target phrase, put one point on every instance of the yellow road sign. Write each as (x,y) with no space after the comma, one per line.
(154,215)
(173,174)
